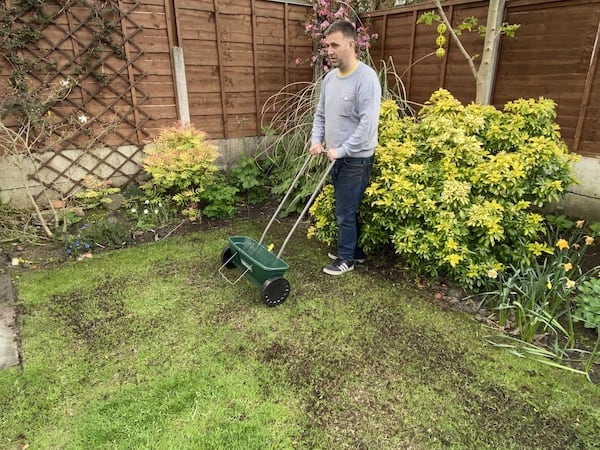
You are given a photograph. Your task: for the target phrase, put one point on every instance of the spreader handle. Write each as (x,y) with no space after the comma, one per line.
(298,175)
(307,206)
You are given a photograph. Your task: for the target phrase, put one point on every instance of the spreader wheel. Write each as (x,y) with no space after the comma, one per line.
(227,258)
(275,290)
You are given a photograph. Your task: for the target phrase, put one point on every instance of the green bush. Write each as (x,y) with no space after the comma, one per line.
(148,213)
(219,200)
(588,303)
(454,191)
(94,235)
(249,180)
(181,165)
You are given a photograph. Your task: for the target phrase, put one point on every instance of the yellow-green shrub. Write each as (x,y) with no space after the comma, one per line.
(455,190)
(181,165)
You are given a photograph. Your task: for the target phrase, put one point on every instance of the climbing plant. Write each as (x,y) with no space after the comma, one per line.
(59,59)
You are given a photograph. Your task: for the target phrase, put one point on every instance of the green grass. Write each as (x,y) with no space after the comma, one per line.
(149,347)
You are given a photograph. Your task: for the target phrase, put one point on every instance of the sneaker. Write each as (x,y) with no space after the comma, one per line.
(356,260)
(338,267)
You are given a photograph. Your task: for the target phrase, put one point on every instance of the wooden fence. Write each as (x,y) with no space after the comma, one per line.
(554,55)
(238,53)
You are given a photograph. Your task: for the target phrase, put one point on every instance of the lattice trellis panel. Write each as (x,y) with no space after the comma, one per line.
(90,45)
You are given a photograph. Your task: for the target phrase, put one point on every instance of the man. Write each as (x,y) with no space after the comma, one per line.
(346,120)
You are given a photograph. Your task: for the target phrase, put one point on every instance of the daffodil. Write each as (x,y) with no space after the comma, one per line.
(568,266)
(493,273)
(570,284)
(579,223)
(549,285)
(589,240)
(562,244)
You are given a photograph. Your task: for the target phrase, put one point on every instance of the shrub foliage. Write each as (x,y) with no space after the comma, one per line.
(181,164)
(456,190)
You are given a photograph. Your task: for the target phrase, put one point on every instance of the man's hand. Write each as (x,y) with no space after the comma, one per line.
(316,149)
(332,154)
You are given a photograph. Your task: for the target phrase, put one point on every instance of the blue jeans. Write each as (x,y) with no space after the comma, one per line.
(350,178)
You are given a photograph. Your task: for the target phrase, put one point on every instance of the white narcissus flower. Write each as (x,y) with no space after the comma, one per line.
(83,119)
(493,273)
(65,83)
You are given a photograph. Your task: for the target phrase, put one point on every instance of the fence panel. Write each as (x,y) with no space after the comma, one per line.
(237,54)
(549,57)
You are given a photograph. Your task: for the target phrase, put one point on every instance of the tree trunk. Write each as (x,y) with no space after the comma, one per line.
(489,58)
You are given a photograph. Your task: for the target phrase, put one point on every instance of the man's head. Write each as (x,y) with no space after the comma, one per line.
(340,39)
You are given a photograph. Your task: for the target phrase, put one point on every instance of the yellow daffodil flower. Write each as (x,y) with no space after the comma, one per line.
(579,223)
(570,284)
(589,240)
(562,244)
(568,266)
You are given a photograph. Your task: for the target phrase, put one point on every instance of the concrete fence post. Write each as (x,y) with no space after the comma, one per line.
(181,93)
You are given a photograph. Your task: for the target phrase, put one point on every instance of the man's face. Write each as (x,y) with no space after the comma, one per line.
(340,50)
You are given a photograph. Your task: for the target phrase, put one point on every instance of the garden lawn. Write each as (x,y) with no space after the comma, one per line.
(150,348)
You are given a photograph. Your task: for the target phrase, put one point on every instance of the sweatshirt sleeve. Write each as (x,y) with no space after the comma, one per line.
(318,128)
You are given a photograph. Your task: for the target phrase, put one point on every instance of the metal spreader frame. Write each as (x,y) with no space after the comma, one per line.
(256,261)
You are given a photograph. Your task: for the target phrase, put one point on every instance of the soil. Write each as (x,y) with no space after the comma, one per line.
(440,291)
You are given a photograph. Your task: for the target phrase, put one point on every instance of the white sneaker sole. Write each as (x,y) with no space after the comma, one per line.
(334,257)
(337,272)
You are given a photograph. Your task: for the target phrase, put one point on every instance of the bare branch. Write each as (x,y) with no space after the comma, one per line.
(462,49)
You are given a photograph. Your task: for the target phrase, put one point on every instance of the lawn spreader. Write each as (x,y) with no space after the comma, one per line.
(256,261)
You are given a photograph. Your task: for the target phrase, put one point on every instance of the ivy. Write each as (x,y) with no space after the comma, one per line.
(22,27)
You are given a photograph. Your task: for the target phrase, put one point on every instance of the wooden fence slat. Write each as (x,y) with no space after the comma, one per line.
(255,67)
(130,74)
(220,60)
(587,89)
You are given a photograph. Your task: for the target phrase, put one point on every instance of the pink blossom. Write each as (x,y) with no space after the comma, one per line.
(325,13)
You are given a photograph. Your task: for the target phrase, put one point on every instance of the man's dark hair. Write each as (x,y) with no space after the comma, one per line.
(346,28)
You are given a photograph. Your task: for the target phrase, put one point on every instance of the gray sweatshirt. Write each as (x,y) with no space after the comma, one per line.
(347,114)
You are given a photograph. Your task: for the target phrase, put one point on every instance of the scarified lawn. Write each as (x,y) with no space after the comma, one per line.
(149,347)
